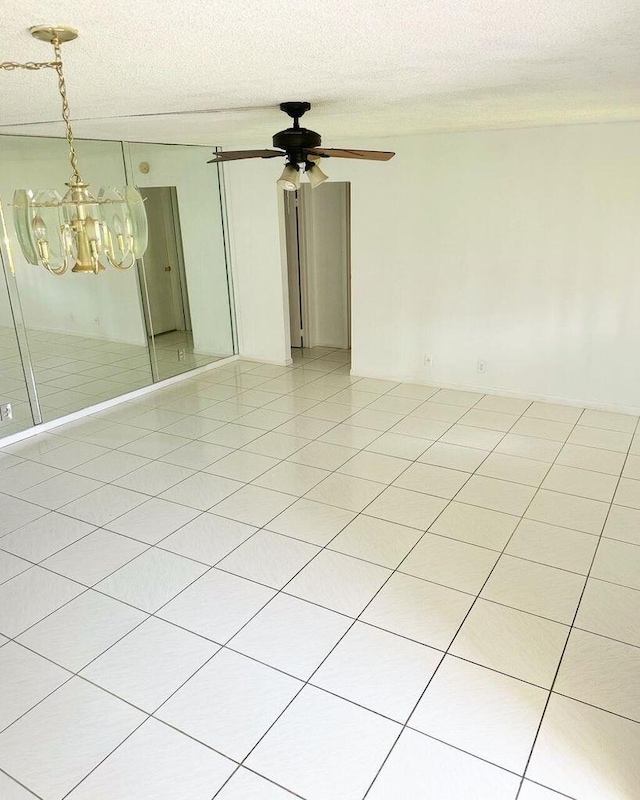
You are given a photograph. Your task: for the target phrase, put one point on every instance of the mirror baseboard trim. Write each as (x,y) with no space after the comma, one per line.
(115,401)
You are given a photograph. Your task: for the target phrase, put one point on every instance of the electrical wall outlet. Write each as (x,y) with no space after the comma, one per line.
(6,412)
(428,360)
(181,354)
(482,365)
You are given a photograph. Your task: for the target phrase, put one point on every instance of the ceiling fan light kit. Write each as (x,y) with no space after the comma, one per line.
(300,146)
(77,228)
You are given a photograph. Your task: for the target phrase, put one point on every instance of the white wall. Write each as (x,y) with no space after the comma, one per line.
(325,243)
(258,255)
(105,306)
(196,183)
(518,247)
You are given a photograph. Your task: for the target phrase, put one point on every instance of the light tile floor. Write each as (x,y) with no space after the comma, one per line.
(267,583)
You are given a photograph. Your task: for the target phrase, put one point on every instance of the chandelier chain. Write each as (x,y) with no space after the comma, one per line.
(62,88)
(11,65)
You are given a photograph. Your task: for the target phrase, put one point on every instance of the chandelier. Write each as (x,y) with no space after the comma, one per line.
(76,228)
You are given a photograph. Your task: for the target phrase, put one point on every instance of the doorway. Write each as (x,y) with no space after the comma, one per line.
(168,307)
(317,230)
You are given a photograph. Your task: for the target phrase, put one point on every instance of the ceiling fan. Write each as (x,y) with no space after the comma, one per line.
(300,146)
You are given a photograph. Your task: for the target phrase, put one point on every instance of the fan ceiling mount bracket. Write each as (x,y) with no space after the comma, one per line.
(295,109)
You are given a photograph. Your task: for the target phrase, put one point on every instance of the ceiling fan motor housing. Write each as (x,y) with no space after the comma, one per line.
(295,141)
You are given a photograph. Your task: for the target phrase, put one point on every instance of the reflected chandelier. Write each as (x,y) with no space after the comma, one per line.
(77,228)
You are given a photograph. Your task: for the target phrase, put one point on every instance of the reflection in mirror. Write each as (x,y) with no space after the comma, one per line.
(86,333)
(187,304)
(15,409)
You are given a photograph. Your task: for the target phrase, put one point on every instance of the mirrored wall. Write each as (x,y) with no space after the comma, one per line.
(69,342)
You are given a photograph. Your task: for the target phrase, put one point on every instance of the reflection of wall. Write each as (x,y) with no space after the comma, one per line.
(196,183)
(105,306)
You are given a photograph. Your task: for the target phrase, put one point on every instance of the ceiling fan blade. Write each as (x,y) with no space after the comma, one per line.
(236,155)
(367,155)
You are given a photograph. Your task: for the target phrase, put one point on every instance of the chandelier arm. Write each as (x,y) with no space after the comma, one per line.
(54,270)
(120,264)
(62,88)
(31,65)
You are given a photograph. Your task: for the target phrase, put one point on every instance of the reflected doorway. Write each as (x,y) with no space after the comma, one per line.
(168,308)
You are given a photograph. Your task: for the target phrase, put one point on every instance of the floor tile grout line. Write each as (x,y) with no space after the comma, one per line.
(361,450)
(447,651)
(19,783)
(571,628)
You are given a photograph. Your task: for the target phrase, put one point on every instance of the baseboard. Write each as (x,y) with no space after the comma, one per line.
(561,401)
(43,427)
(287,362)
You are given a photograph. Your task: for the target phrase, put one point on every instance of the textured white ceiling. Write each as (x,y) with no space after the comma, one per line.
(369,67)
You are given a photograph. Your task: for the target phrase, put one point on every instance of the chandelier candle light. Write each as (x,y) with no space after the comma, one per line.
(77,228)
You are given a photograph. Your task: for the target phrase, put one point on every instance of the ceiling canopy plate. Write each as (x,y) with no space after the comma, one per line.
(49,33)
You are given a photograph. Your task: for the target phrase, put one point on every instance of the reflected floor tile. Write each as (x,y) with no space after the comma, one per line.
(512,642)
(150,663)
(482,712)
(77,726)
(82,629)
(421,767)
(156,762)
(338,756)
(429,613)
(585,752)
(291,635)
(601,672)
(378,670)
(25,679)
(230,703)
(338,582)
